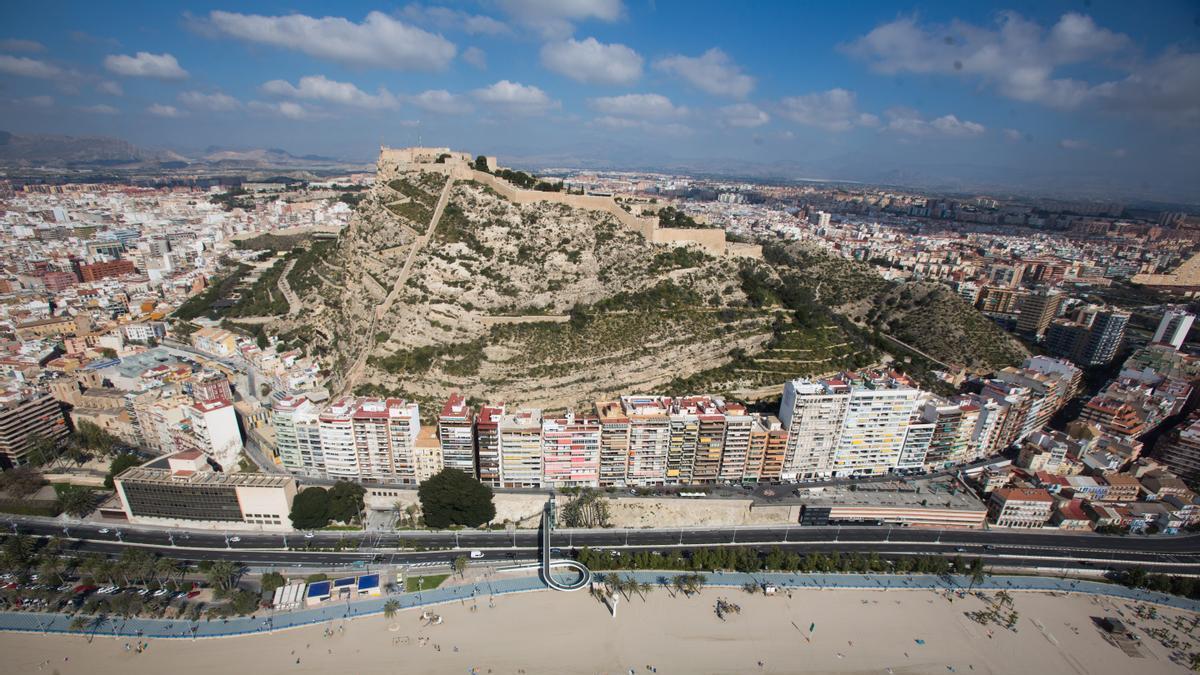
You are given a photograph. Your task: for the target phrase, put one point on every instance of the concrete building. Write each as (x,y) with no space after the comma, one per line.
(184,489)
(520,445)
(456,433)
(26,416)
(570,451)
(214,427)
(649,439)
(1020,507)
(487,442)
(1174,327)
(1037,311)
(427,457)
(614,443)
(296,421)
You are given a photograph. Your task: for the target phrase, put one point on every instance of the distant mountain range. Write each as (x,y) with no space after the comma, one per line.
(47,151)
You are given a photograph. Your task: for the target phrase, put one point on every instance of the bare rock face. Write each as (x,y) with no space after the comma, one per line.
(538,304)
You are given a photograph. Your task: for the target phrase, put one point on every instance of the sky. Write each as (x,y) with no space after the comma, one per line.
(1098,97)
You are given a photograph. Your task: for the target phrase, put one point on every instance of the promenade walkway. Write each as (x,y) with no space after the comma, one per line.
(265,621)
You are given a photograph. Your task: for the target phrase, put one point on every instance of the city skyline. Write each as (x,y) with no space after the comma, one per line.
(1093,98)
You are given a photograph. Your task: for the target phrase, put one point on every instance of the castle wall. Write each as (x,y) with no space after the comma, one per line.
(392,161)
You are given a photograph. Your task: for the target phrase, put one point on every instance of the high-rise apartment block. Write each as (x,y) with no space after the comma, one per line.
(25,417)
(1174,327)
(456,434)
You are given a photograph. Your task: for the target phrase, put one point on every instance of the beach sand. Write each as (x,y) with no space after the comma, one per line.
(548,632)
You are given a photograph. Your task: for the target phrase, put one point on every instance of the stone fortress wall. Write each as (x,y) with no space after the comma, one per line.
(459,165)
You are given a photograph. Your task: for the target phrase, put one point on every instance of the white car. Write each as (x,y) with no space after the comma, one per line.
(103,530)
(161,592)
(308,535)
(235,539)
(143,591)
(476,554)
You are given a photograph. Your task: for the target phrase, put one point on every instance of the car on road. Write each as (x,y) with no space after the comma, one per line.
(476,554)
(235,539)
(960,549)
(308,535)
(103,530)
(989,547)
(556,551)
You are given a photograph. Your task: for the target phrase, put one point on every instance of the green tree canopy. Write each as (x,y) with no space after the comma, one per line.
(75,500)
(272,581)
(119,464)
(454,498)
(346,502)
(310,509)
(21,481)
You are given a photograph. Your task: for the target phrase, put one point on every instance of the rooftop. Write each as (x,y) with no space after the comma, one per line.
(146,474)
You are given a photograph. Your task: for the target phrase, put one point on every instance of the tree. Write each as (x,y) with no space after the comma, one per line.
(346,502)
(94,438)
(272,581)
(75,500)
(460,565)
(21,481)
(390,608)
(42,449)
(481,164)
(453,498)
(976,572)
(310,509)
(221,574)
(119,464)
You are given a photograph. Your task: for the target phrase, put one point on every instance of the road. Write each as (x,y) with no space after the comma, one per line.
(1175,554)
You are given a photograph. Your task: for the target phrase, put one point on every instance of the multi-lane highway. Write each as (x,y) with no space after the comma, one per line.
(1175,554)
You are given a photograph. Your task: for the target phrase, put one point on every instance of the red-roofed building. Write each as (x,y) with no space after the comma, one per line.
(456,434)
(1069,515)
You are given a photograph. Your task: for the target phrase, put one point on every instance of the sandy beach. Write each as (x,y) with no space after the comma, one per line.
(547,632)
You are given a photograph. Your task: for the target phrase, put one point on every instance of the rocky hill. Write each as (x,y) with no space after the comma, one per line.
(546,304)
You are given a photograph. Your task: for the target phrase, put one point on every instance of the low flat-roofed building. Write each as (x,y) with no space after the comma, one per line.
(920,504)
(183,489)
(1069,515)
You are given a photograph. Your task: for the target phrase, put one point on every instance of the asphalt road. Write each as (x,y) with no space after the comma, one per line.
(1179,554)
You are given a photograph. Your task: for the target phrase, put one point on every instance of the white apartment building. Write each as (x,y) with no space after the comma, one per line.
(296,421)
(649,439)
(738,426)
(853,425)
(520,438)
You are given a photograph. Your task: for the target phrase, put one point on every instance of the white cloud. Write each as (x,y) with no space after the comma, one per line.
(743,115)
(379,40)
(440,101)
(556,19)
(593,62)
(515,98)
(100,109)
(475,57)
(624,123)
(15,45)
(321,88)
(1013,135)
(444,18)
(908,121)
(36,101)
(833,110)
(110,87)
(1167,89)
(1016,56)
(216,101)
(160,110)
(1073,144)
(644,106)
(712,72)
(288,109)
(145,64)
(27,67)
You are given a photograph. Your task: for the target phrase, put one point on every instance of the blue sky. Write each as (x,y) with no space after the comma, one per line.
(1090,95)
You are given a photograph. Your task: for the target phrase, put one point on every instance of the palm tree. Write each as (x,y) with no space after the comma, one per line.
(390,608)
(164,568)
(976,572)
(51,566)
(645,587)
(221,574)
